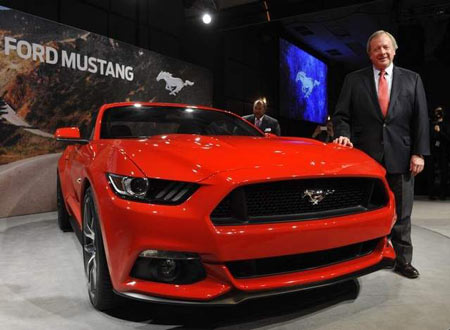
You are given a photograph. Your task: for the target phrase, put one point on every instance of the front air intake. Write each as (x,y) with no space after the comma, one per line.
(300,262)
(302,199)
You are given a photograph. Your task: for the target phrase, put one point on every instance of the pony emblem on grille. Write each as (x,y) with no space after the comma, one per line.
(315,196)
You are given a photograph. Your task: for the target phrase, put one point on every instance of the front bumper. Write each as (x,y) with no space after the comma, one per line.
(129,228)
(235,297)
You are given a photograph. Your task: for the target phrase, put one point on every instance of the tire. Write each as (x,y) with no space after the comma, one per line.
(63,215)
(100,288)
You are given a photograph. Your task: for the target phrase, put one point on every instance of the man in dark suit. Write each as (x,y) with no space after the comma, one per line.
(261,120)
(382,110)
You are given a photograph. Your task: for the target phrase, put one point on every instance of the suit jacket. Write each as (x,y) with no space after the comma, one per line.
(267,122)
(391,140)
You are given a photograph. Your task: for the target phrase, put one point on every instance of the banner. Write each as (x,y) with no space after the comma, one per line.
(52,75)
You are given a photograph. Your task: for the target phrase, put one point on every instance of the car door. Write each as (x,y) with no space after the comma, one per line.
(80,159)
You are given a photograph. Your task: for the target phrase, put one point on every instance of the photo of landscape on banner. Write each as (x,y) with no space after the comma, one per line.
(53,75)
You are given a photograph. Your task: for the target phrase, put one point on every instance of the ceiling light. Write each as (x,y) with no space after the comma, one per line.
(206,18)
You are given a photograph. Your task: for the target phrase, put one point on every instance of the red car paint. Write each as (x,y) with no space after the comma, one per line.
(219,164)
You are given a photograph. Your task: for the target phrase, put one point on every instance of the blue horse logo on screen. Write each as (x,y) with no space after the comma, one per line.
(308,83)
(303,84)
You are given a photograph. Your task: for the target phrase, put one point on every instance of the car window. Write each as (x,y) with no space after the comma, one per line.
(135,122)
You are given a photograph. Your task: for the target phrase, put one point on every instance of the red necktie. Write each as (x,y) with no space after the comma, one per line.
(383,93)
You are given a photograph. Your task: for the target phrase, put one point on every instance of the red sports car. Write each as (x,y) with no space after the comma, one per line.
(187,204)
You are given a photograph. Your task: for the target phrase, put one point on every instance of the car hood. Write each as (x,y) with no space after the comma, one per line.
(194,158)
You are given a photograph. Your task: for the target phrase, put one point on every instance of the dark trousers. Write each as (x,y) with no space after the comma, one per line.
(402,185)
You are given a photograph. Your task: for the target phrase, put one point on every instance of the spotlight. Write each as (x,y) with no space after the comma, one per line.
(206,18)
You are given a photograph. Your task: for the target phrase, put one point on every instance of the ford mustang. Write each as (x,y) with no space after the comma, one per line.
(194,205)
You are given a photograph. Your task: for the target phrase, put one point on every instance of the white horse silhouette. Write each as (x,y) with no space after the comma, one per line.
(308,83)
(173,84)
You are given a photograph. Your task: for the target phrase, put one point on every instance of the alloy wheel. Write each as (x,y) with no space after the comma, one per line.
(89,247)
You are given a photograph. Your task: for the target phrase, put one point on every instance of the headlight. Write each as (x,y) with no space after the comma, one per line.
(155,191)
(129,186)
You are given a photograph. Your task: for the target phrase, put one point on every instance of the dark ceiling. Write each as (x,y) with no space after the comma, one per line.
(336,30)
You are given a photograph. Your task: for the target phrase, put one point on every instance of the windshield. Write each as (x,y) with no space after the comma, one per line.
(137,122)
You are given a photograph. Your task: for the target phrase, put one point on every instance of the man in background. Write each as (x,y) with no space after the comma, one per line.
(382,110)
(259,118)
(325,132)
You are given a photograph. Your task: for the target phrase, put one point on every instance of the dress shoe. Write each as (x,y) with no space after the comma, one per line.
(406,270)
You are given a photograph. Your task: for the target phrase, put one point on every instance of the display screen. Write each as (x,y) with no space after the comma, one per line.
(303,85)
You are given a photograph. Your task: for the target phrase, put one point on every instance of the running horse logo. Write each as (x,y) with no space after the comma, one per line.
(315,196)
(308,83)
(173,84)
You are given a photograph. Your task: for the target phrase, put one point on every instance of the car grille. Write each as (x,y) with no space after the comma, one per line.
(289,200)
(300,262)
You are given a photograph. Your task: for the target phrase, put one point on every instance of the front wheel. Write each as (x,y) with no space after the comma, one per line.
(99,283)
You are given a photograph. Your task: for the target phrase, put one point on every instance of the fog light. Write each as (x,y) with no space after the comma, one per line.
(167,270)
(168,267)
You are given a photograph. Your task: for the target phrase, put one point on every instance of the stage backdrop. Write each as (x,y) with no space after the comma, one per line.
(52,75)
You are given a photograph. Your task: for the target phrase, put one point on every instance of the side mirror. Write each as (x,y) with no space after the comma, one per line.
(270,135)
(70,134)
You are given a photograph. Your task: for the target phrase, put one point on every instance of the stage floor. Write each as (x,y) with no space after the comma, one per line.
(42,286)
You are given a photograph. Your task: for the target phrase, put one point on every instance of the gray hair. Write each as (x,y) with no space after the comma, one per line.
(376,34)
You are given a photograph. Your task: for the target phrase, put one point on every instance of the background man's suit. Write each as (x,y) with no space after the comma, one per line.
(267,122)
(390,140)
